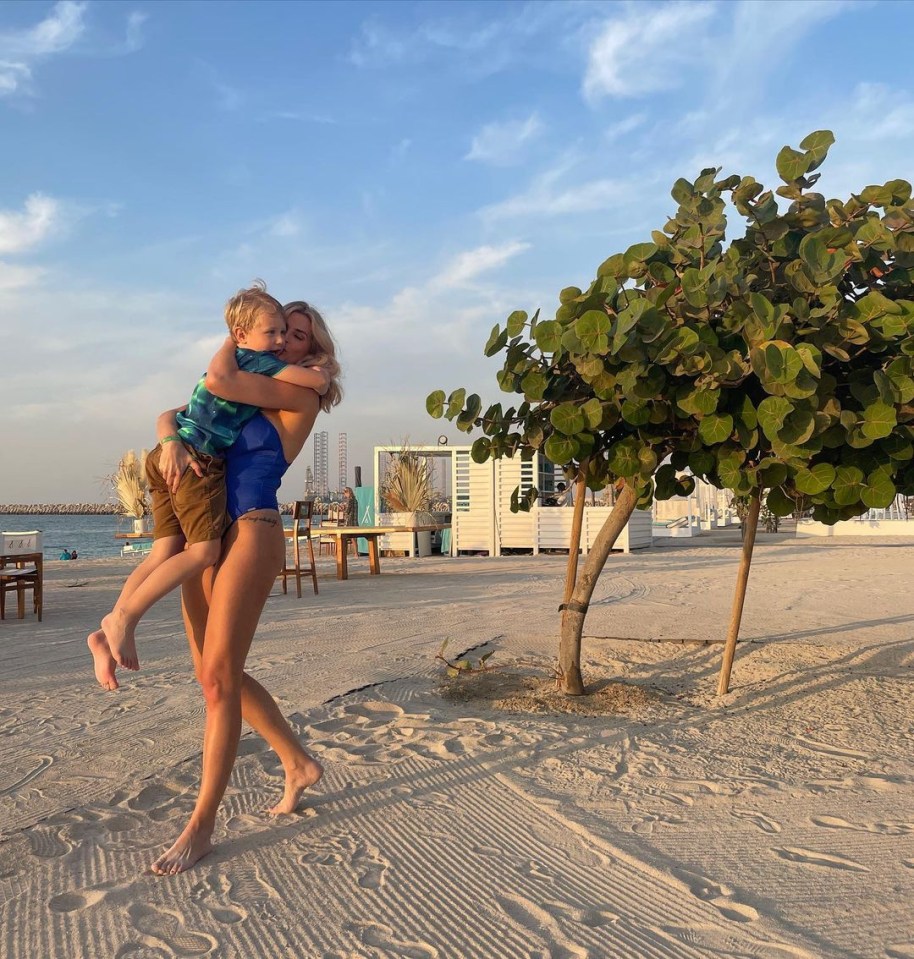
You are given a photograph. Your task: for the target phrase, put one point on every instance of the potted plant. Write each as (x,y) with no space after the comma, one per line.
(129,484)
(407,490)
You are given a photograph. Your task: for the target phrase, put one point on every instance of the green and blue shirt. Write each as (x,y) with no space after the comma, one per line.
(211,424)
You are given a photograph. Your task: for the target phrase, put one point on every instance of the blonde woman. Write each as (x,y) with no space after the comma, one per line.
(222,607)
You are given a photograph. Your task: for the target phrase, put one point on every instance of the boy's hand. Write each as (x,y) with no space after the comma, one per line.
(326,378)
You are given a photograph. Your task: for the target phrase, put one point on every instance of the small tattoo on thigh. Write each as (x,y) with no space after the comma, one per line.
(259,519)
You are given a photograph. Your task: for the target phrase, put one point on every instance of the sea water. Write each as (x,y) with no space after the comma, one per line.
(92,536)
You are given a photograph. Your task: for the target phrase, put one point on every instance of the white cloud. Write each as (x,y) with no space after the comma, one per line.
(21,49)
(547,197)
(644,50)
(20,231)
(470,264)
(479,46)
(623,127)
(761,36)
(16,277)
(13,76)
(502,143)
(285,225)
(398,152)
(133,39)
(58,31)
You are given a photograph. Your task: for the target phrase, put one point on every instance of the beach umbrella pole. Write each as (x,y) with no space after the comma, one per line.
(739,597)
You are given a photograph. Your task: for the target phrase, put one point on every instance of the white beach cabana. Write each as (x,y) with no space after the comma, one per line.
(481,517)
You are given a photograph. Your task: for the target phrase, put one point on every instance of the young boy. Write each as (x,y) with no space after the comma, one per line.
(195,515)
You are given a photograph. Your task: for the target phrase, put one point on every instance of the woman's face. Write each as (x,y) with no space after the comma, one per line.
(298,338)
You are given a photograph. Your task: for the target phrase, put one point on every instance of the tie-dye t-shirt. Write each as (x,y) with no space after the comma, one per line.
(211,424)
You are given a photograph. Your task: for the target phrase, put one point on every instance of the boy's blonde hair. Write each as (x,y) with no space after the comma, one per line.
(323,350)
(245,306)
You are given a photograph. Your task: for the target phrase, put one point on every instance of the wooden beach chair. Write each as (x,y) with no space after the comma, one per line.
(302,516)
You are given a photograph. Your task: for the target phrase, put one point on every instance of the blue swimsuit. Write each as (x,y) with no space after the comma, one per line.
(254,468)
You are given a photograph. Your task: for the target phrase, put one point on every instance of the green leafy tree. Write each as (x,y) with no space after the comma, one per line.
(778,366)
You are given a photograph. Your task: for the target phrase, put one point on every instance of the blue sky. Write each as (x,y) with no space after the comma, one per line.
(417,170)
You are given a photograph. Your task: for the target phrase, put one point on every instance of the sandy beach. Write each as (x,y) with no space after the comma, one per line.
(474,819)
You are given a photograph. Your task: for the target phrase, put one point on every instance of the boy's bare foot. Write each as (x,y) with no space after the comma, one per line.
(118,631)
(191,847)
(105,664)
(297,781)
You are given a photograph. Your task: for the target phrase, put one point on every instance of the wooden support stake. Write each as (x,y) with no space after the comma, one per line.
(739,597)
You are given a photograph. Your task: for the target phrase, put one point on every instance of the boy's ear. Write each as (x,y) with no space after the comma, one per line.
(238,334)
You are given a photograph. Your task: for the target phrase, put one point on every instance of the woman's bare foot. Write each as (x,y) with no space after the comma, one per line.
(105,664)
(191,847)
(298,780)
(118,630)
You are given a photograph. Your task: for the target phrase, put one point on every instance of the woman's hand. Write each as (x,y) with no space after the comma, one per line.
(173,463)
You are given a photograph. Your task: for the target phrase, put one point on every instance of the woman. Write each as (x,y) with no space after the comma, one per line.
(222,610)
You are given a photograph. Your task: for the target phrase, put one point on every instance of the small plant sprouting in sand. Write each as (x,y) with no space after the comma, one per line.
(465,666)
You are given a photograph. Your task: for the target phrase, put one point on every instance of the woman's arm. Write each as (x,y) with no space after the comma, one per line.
(174,458)
(224,379)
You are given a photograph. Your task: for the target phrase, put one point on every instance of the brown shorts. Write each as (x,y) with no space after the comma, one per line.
(197,510)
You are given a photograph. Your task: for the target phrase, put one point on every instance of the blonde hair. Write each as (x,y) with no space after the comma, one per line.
(323,350)
(245,306)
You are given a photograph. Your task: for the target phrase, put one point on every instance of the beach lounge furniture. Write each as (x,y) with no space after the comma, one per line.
(22,570)
(302,516)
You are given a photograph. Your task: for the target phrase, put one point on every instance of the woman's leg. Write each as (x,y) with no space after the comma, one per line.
(254,555)
(258,708)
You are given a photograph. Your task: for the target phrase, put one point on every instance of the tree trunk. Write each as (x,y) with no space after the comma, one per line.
(739,597)
(574,544)
(576,608)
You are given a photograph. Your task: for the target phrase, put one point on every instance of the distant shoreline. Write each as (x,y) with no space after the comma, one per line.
(63,509)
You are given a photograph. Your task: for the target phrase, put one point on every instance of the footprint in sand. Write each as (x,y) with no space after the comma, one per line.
(591,916)
(714,941)
(902,950)
(541,923)
(46,842)
(382,937)
(371,868)
(251,892)
(719,896)
(74,901)
(809,857)
(167,927)
(756,819)
(152,797)
(139,950)
(879,828)
(211,893)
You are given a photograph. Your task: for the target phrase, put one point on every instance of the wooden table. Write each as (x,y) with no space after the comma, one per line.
(345,534)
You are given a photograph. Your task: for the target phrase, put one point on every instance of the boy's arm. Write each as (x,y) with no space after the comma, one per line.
(313,377)
(174,458)
(225,380)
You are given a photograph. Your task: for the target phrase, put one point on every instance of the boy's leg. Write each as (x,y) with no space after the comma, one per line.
(105,663)
(199,505)
(169,541)
(119,625)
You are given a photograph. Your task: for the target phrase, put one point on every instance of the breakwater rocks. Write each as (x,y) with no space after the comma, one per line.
(45,509)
